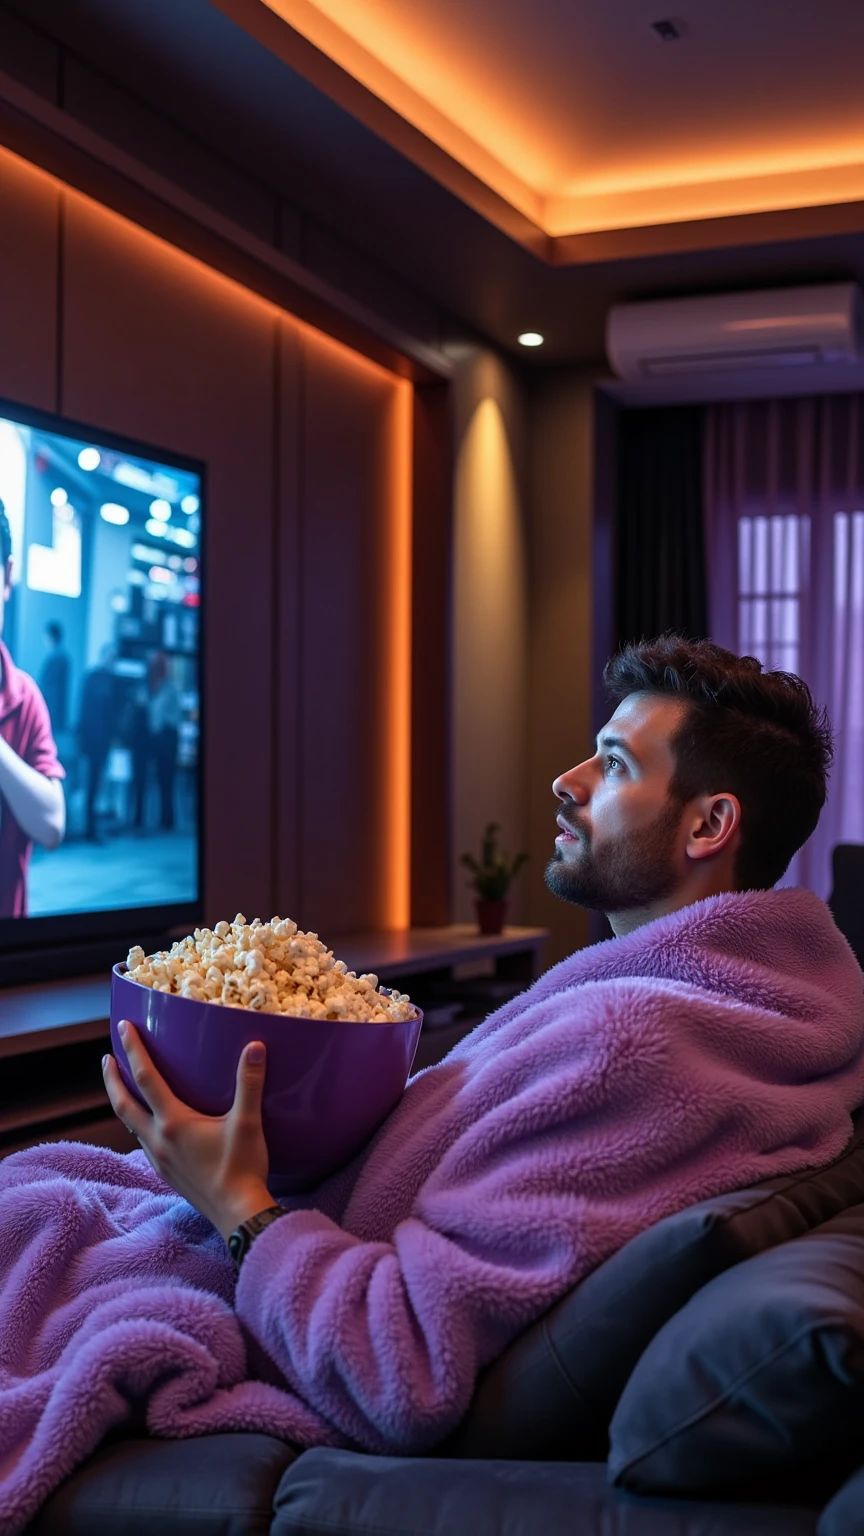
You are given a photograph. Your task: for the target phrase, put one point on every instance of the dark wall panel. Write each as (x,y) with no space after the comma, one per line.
(156,346)
(347,487)
(29,54)
(382,291)
(431,661)
(153,138)
(288,656)
(30,204)
(307,536)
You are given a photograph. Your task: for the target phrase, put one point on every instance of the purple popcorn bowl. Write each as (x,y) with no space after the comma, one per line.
(329,1084)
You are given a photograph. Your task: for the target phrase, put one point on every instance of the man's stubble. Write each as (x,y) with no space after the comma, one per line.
(630,870)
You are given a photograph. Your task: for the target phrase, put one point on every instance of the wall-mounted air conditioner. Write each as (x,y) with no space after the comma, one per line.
(775,328)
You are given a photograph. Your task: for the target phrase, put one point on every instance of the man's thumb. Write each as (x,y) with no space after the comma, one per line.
(251,1070)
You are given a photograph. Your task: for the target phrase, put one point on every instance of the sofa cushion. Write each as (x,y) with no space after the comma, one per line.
(553,1392)
(340,1493)
(844,1516)
(219,1485)
(758,1383)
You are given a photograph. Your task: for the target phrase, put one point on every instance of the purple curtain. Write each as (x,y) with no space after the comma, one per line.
(784,545)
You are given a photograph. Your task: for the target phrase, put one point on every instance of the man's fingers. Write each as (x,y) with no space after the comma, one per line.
(152,1087)
(251,1071)
(135,1118)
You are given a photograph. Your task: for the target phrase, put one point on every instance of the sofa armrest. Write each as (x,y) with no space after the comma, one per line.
(218,1485)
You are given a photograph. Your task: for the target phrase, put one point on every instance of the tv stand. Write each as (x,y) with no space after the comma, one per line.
(53,1034)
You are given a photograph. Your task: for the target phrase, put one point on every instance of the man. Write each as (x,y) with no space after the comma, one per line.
(97,727)
(32,805)
(716,1040)
(54,678)
(640,836)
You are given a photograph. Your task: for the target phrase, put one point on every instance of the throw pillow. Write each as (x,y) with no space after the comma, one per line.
(552,1393)
(756,1388)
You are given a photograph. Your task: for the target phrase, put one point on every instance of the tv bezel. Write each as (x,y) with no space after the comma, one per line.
(69,944)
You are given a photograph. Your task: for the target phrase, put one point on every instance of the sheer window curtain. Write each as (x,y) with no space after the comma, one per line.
(784,549)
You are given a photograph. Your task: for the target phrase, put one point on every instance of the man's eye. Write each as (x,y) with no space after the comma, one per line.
(617,760)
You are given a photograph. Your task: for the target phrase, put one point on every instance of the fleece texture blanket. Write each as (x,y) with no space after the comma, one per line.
(709,1049)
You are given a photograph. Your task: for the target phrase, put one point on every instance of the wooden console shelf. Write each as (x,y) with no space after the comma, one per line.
(53,1034)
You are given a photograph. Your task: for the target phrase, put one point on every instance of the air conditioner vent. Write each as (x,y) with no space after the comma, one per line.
(781,327)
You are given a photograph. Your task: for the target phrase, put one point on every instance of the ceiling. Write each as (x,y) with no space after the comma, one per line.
(581,118)
(314,136)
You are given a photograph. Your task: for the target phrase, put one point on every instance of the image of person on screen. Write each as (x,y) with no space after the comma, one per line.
(164,724)
(136,721)
(54,678)
(32,803)
(96,724)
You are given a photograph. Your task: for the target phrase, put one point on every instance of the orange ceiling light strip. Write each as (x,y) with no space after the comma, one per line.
(693,192)
(414,106)
(506,152)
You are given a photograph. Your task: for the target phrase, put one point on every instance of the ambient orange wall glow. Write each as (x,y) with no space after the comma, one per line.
(490,619)
(398,889)
(138,337)
(377,592)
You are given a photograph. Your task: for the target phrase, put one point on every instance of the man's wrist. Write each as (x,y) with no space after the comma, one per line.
(242,1204)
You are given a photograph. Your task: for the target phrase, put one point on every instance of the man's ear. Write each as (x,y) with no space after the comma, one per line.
(721,818)
(7,578)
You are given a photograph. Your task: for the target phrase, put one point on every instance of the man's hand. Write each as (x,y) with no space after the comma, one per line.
(218,1163)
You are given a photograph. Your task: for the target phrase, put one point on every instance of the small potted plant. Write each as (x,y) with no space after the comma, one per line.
(491,876)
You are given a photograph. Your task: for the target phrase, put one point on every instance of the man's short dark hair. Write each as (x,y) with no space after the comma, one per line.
(55,630)
(5,537)
(754,733)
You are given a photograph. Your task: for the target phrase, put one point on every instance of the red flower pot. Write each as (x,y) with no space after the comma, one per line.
(490,915)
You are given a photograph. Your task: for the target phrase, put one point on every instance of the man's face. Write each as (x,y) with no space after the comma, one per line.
(5,590)
(621,844)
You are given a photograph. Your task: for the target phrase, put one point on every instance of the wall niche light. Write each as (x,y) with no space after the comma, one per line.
(530,339)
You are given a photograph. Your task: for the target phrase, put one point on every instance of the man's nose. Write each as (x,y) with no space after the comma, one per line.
(572,785)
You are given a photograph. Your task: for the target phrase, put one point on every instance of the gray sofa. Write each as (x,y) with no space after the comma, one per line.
(707,1380)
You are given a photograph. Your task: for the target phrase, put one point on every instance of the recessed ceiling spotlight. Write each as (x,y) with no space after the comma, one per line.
(530,339)
(668,31)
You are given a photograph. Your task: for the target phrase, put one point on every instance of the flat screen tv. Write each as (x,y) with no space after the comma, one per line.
(100,694)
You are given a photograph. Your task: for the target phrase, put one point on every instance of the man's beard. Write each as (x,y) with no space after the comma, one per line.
(633,868)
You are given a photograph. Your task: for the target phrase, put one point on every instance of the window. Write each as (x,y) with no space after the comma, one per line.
(772,552)
(774,578)
(847,702)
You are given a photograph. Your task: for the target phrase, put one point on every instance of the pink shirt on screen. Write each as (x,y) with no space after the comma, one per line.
(26,725)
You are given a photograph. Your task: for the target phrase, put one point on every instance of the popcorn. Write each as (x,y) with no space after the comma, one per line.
(269,967)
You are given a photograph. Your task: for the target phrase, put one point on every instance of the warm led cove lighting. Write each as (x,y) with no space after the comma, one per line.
(530,339)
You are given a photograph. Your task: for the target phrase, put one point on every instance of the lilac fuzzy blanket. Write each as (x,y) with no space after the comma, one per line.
(707,1050)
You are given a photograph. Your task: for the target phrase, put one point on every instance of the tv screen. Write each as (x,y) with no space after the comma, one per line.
(100,693)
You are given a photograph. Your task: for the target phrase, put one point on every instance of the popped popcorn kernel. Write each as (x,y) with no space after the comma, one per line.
(271,967)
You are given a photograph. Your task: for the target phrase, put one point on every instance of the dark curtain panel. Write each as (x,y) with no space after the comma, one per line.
(660,548)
